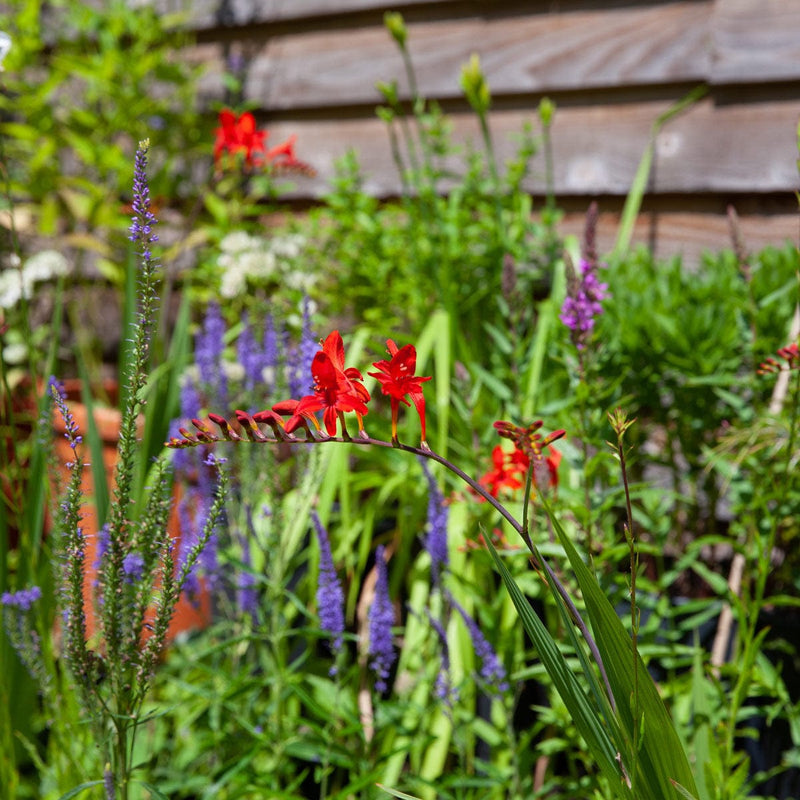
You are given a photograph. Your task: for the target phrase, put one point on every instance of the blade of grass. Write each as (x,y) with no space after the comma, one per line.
(633,202)
(585,716)
(661,757)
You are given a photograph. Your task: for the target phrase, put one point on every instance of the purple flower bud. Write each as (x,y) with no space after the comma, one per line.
(381,619)
(143,219)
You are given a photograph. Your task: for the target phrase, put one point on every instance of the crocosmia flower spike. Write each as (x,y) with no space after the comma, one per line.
(337,390)
(398,380)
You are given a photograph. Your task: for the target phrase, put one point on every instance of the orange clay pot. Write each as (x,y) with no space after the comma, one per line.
(187,616)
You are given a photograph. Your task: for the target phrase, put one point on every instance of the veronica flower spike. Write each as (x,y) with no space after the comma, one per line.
(397,379)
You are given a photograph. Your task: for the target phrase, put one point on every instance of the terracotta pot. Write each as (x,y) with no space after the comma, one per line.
(187,616)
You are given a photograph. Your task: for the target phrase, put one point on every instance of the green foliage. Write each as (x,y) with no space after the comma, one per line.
(83,83)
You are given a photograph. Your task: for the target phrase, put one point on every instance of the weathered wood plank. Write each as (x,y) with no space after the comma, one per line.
(707,149)
(688,235)
(209,14)
(755,41)
(521,55)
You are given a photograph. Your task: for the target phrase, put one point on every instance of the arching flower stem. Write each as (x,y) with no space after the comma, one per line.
(537,560)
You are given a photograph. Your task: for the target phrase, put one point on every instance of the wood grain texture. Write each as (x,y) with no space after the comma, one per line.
(550,52)
(202,15)
(755,41)
(689,235)
(723,149)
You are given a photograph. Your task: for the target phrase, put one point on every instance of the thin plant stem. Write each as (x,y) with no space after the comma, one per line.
(537,560)
(634,566)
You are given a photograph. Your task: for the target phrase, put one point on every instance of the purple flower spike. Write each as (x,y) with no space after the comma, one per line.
(300,357)
(585,292)
(491,671)
(208,350)
(330,597)
(583,303)
(143,220)
(250,357)
(443,689)
(60,398)
(246,589)
(381,619)
(436,536)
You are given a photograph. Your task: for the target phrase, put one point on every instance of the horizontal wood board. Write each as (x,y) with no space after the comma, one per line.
(596,150)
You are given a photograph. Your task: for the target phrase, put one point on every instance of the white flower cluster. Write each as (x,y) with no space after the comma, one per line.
(17,283)
(245,258)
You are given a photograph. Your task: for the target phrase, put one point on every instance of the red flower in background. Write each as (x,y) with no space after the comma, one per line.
(397,380)
(239,135)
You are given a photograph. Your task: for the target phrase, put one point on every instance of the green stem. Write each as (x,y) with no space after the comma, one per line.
(634,565)
(537,560)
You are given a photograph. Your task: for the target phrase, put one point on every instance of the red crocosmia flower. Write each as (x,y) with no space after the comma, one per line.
(509,469)
(239,135)
(397,379)
(505,475)
(282,158)
(336,390)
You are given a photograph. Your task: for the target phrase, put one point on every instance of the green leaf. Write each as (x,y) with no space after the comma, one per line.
(633,201)
(79,789)
(395,793)
(661,758)
(587,718)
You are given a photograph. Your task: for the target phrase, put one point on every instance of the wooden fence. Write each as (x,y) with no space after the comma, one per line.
(310,67)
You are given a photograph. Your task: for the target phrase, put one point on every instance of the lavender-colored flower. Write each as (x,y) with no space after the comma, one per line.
(143,220)
(23,599)
(443,689)
(250,356)
(21,629)
(188,511)
(492,671)
(585,292)
(381,619)
(100,550)
(301,356)
(58,394)
(208,349)
(330,597)
(270,345)
(246,593)
(108,783)
(133,567)
(436,536)
(583,302)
